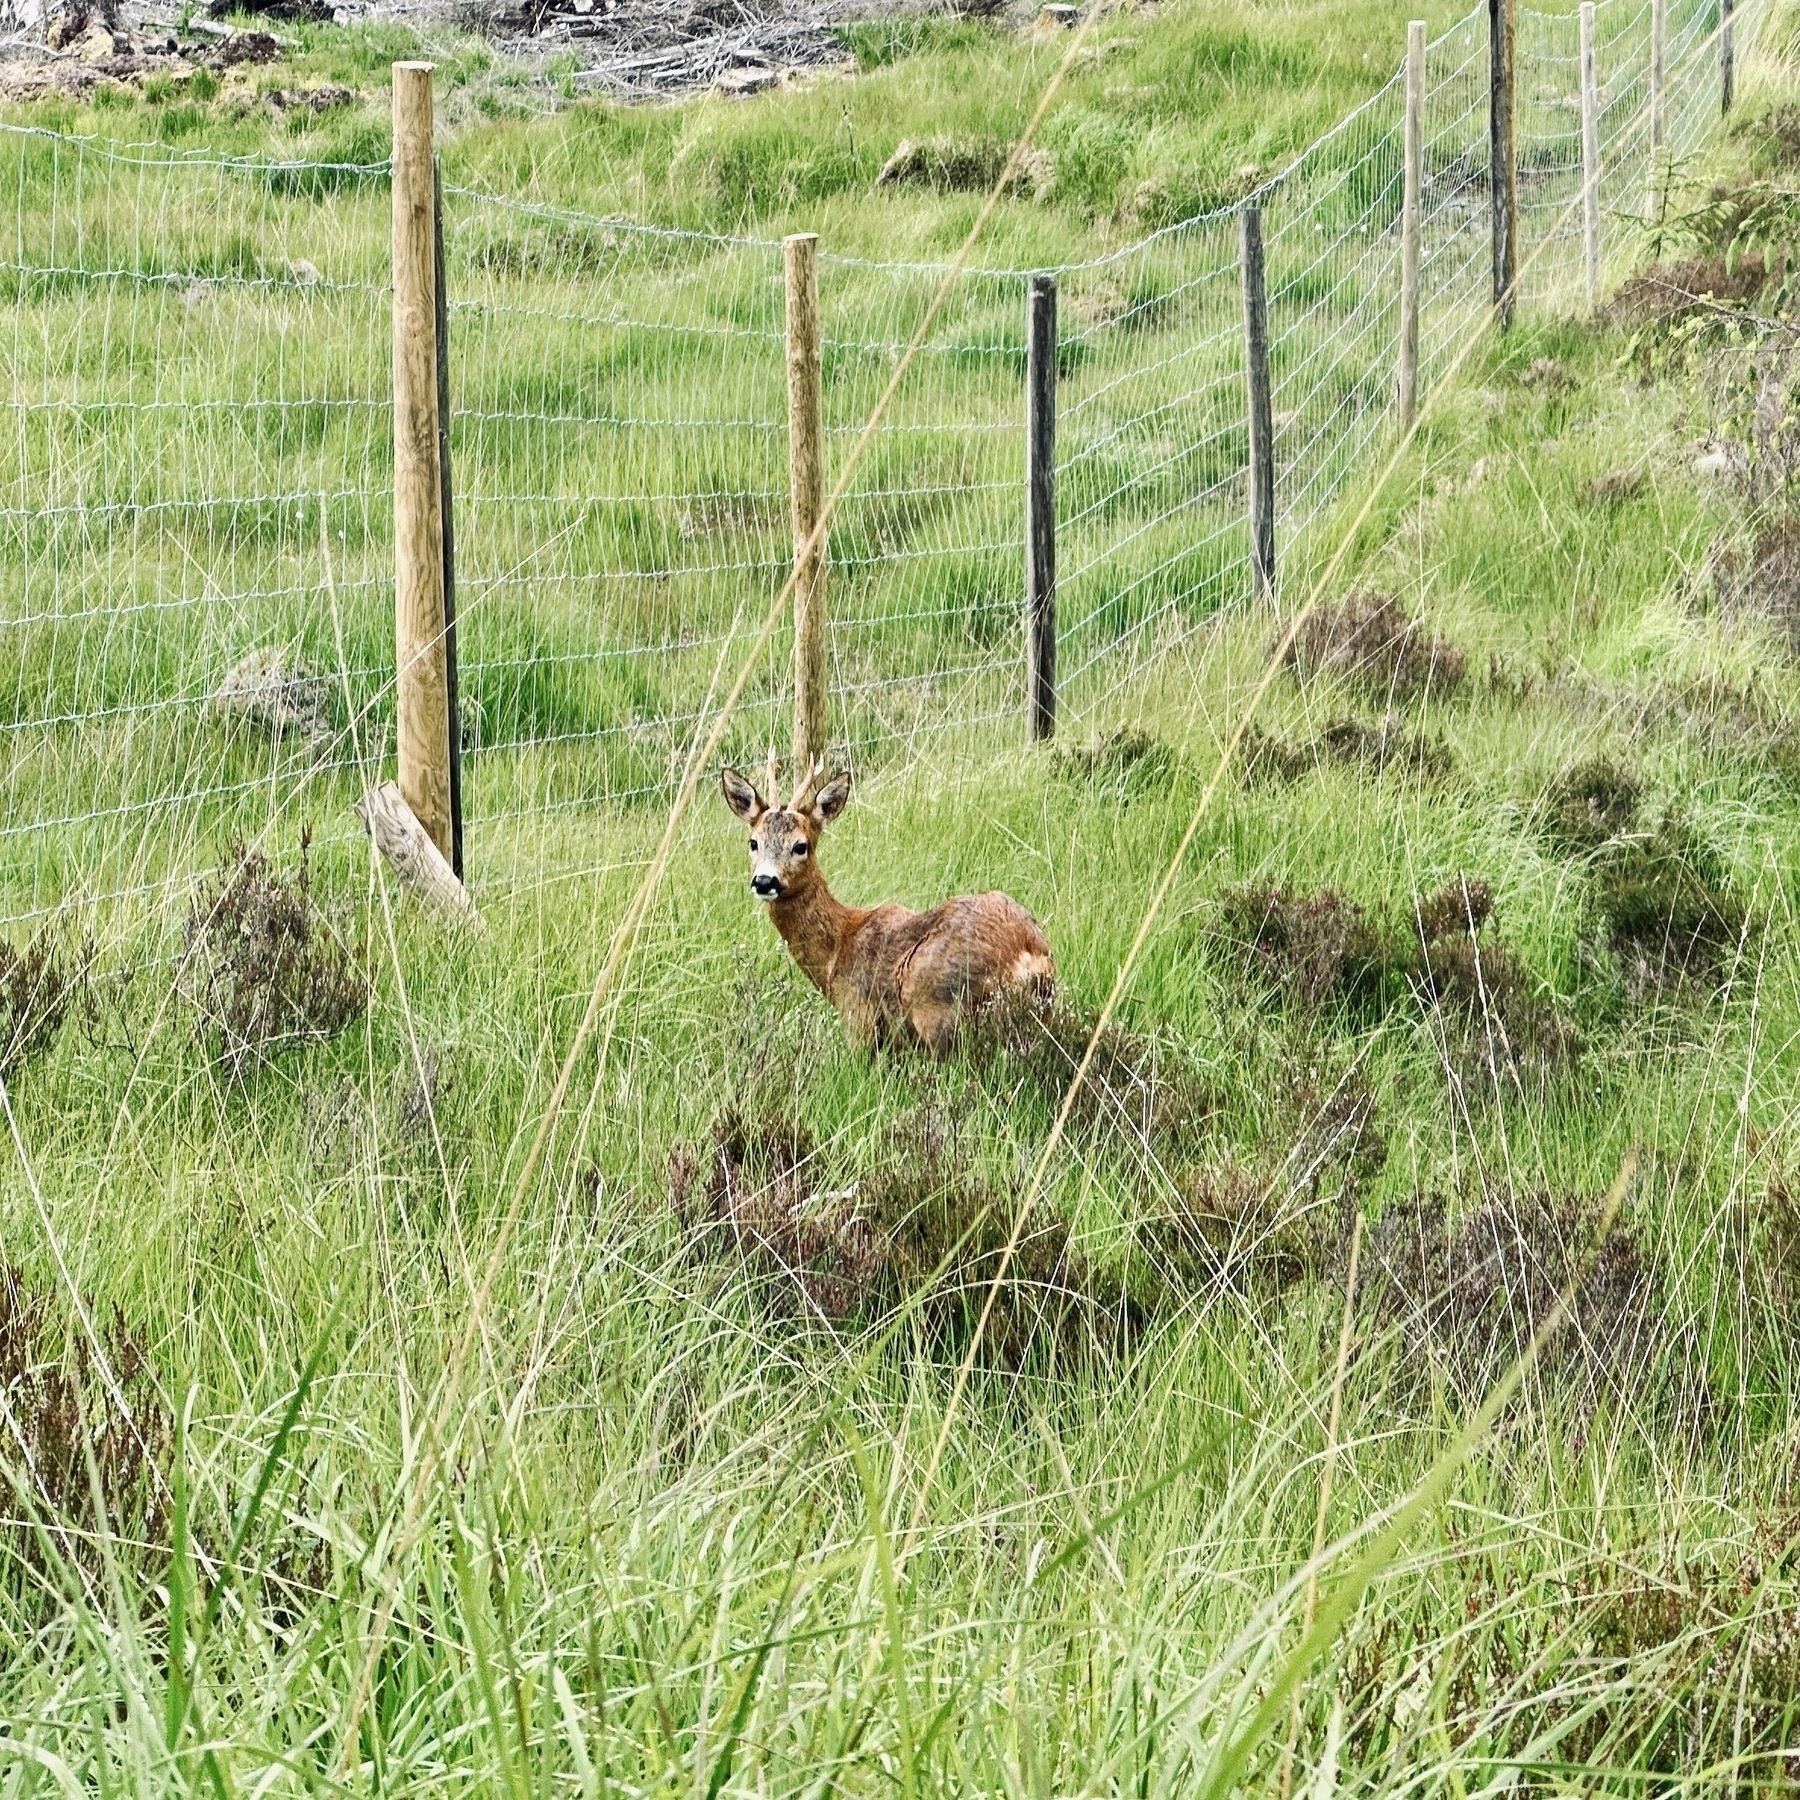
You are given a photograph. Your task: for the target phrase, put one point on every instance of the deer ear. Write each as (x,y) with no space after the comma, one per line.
(741,797)
(829,801)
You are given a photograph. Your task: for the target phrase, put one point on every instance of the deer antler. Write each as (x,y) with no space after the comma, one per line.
(773,798)
(804,792)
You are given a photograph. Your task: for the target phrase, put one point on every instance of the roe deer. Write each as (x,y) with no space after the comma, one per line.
(894,975)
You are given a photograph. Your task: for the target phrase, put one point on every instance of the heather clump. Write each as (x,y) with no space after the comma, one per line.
(1282,1216)
(1146,1088)
(1468,1290)
(1590,803)
(1129,759)
(1310,947)
(1346,743)
(1667,906)
(87,1428)
(1324,949)
(1478,985)
(1370,641)
(39,983)
(916,1227)
(261,965)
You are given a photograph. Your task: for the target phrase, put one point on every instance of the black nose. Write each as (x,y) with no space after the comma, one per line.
(765,887)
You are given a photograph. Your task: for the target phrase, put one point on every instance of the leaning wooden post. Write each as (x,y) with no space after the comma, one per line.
(1502,166)
(1410,206)
(806,486)
(1727,63)
(1262,421)
(1040,508)
(453,712)
(1590,154)
(421,688)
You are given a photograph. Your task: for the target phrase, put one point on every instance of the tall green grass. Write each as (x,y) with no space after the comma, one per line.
(660,1534)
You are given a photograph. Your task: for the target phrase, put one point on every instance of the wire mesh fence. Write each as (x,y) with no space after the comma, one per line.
(196,541)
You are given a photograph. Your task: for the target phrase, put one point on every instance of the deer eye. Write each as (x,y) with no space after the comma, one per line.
(753,843)
(800,848)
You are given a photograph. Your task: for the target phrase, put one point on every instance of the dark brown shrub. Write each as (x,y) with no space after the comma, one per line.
(1372,642)
(917,1226)
(1129,758)
(424,1086)
(1147,1090)
(1667,291)
(1667,905)
(1592,803)
(261,966)
(1725,1631)
(1313,948)
(38,984)
(1230,1226)
(1471,1294)
(950,164)
(1548,376)
(1772,1246)
(1324,948)
(1333,1131)
(61,1399)
(1285,1218)
(1766,584)
(1347,743)
(760,1186)
(1459,908)
(1677,1663)
(1503,1021)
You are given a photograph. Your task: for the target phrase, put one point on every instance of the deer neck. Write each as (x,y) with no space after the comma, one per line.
(817,929)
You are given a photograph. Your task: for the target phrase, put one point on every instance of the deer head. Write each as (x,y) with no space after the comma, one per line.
(784,840)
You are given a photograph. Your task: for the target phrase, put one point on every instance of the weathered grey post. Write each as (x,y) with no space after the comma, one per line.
(1410,205)
(1040,507)
(1727,67)
(806,485)
(421,697)
(448,520)
(1659,57)
(1502,165)
(1262,422)
(1590,154)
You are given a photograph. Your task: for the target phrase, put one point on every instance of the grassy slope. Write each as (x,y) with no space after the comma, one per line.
(1161,123)
(651,1477)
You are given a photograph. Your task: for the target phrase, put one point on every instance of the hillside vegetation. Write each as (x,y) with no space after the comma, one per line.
(356,1439)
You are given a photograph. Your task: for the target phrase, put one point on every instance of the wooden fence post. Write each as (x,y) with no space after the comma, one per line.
(448,521)
(1040,508)
(1727,62)
(1262,423)
(1590,154)
(421,698)
(1411,204)
(1659,56)
(1502,164)
(806,488)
